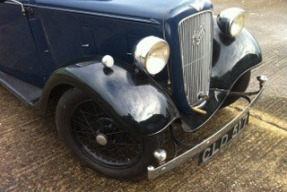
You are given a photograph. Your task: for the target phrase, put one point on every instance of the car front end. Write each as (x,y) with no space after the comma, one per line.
(208,55)
(158,63)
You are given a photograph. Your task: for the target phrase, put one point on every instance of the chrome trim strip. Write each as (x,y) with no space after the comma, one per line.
(196,58)
(152,21)
(155,172)
(15,2)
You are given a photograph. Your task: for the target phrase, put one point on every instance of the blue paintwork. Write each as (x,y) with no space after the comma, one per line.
(19,55)
(137,102)
(55,35)
(148,10)
(66,34)
(232,57)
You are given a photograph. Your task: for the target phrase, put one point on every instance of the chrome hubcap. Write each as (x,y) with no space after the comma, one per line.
(101,139)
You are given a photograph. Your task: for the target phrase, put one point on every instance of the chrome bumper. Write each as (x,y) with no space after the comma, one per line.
(155,172)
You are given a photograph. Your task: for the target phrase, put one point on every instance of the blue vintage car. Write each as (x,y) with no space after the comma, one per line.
(122,73)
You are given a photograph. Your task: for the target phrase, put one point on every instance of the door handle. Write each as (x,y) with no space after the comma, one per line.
(18,3)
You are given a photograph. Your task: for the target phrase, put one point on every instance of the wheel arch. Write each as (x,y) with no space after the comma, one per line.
(57,92)
(133,99)
(232,57)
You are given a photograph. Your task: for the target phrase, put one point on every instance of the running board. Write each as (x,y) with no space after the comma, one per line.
(26,92)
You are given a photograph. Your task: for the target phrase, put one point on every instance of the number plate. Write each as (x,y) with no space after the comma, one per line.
(216,146)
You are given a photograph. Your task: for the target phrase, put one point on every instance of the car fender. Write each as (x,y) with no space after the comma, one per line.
(232,57)
(133,99)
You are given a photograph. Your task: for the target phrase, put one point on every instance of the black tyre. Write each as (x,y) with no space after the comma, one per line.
(98,142)
(240,86)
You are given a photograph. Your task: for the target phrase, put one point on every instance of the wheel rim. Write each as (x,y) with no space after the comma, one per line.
(91,126)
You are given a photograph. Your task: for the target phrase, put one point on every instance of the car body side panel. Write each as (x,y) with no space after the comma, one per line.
(19,55)
(71,37)
(136,10)
(133,99)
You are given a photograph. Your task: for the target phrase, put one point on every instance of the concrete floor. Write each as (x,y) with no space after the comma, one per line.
(33,158)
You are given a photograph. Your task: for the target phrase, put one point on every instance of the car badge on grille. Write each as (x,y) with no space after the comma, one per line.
(198,35)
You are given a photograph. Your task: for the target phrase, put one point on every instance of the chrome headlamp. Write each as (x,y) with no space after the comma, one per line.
(151,54)
(231,21)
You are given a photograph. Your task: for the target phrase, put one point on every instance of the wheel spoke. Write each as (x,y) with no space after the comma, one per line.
(89,125)
(120,150)
(114,133)
(80,124)
(91,114)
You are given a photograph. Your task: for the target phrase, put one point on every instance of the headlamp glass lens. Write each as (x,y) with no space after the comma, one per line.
(157,58)
(237,25)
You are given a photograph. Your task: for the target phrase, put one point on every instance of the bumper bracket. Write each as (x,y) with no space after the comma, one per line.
(155,172)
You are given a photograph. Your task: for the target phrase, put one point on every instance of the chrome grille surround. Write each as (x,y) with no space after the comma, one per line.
(196,46)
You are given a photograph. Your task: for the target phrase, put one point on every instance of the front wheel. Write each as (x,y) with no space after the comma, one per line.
(97,141)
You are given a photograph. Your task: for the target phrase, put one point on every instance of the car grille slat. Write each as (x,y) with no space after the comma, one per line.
(196,36)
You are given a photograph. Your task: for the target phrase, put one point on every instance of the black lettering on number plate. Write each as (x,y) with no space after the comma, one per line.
(221,142)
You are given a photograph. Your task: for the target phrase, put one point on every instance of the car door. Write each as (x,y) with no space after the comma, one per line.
(19,56)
